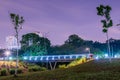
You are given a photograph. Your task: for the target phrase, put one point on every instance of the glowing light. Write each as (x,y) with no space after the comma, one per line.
(35,59)
(87,49)
(106,55)
(47,58)
(97,57)
(10,58)
(7,53)
(41,58)
(115,56)
(25,58)
(30,58)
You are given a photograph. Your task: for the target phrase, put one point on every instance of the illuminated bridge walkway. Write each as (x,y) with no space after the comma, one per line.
(54,58)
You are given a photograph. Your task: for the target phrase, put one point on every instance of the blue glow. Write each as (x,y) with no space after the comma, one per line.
(97,57)
(47,58)
(106,55)
(55,57)
(41,58)
(10,58)
(25,58)
(30,58)
(35,58)
(115,56)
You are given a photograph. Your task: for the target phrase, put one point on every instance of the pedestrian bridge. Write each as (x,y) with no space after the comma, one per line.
(54,58)
(51,59)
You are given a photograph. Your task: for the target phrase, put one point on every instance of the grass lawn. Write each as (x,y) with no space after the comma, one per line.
(93,70)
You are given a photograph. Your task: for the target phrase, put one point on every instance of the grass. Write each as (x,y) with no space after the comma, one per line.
(93,70)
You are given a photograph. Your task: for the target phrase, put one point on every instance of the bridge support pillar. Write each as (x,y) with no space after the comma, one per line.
(52,66)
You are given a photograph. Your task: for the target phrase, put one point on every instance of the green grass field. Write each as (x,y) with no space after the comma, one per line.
(93,70)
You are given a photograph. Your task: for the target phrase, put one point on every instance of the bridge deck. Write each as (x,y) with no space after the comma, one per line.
(53,58)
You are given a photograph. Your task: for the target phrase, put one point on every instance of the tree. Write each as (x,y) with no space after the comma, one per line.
(104,11)
(17,21)
(74,40)
(33,44)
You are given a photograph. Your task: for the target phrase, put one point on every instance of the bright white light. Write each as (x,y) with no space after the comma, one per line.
(7,53)
(87,49)
(25,58)
(106,55)
(35,59)
(10,58)
(41,58)
(115,56)
(30,58)
(97,57)
(52,57)
(47,58)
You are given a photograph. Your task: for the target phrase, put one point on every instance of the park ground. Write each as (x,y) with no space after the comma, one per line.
(101,69)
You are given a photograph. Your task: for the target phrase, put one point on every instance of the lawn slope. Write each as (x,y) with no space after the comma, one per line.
(93,70)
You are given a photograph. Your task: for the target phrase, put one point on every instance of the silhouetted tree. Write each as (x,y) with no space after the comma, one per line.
(74,40)
(104,11)
(17,21)
(33,44)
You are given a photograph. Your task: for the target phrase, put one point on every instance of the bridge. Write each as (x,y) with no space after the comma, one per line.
(54,58)
(51,59)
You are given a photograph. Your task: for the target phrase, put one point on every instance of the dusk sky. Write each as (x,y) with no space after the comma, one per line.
(59,18)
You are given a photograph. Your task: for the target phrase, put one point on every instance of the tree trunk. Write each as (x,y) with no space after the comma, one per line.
(108,44)
(17,53)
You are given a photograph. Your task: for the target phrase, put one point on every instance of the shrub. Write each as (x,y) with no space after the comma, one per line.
(19,71)
(12,71)
(4,72)
(36,68)
(77,62)
(62,66)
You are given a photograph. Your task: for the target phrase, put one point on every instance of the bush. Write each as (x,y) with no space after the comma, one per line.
(77,62)
(12,71)
(19,71)
(62,66)
(36,68)
(4,72)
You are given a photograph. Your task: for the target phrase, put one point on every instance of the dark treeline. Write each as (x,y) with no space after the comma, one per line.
(76,45)
(33,44)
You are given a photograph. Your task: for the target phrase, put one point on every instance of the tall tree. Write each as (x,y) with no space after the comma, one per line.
(74,40)
(33,44)
(104,11)
(17,21)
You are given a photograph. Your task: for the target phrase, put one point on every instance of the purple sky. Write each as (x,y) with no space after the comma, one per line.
(59,18)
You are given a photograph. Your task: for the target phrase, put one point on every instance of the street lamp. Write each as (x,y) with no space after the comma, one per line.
(88,49)
(7,53)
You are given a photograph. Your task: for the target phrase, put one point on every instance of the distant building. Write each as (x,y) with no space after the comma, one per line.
(11,42)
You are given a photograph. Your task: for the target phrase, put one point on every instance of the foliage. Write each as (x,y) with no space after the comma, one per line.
(19,71)
(4,72)
(93,70)
(12,71)
(33,44)
(104,11)
(62,66)
(34,68)
(74,40)
(77,62)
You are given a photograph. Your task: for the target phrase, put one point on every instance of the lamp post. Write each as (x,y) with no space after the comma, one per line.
(88,49)
(7,53)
